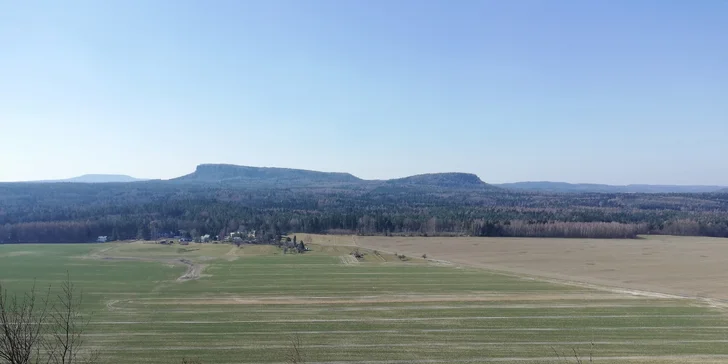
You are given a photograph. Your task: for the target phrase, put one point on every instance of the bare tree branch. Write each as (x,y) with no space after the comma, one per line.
(21,326)
(34,331)
(67,327)
(295,352)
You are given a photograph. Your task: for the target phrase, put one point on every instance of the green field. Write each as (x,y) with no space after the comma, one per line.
(247,303)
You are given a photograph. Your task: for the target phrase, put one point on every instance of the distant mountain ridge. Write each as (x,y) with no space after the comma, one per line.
(215,173)
(563,187)
(237,175)
(234,174)
(97,178)
(447,180)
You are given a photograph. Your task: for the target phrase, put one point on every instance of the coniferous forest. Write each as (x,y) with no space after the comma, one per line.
(279,201)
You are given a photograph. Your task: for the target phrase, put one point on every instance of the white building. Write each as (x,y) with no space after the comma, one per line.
(102,239)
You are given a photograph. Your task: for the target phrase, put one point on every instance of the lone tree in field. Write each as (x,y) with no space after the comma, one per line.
(36,329)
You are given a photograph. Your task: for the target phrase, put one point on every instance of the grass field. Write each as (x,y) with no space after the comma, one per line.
(243,306)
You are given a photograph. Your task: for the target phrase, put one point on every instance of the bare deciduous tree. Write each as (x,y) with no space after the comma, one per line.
(35,330)
(66,327)
(21,326)
(577,358)
(295,352)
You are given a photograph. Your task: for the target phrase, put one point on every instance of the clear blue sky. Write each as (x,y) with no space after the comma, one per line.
(630,91)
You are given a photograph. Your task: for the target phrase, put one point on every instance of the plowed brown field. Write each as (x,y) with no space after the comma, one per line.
(688,266)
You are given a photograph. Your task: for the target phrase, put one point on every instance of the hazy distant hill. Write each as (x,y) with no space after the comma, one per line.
(445,180)
(245,175)
(97,178)
(673,189)
(228,173)
(600,188)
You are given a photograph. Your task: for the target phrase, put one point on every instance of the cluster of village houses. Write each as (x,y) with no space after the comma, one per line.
(238,238)
(183,238)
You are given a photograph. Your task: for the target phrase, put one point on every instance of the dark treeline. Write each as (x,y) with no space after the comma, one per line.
(61,213)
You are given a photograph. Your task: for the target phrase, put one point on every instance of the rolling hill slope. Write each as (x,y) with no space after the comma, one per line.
(443,180)
(97,178)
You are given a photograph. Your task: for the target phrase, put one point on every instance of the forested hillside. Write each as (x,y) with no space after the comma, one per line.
(591,187)
(444,204)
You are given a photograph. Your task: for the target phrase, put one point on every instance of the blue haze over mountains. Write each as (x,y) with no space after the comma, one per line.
(246,175)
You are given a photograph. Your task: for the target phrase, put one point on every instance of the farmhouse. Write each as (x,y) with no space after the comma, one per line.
(243,234)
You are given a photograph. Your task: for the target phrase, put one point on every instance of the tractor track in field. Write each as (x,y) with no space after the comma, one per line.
(194,270)
(451,345)
(408,319)
(301,300)
(412,331)
(232,254)
(687,358)
(348,260)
